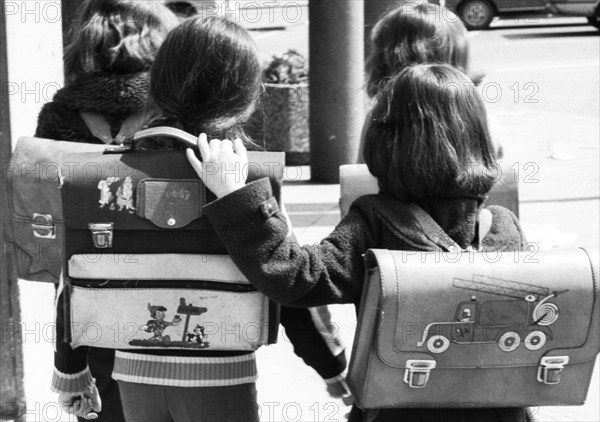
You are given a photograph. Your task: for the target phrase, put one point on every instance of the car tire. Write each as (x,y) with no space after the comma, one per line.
(509,341)
(476,14)
(594,21)
(438,344)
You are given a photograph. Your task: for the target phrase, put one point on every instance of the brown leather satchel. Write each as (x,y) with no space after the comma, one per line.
(475,329)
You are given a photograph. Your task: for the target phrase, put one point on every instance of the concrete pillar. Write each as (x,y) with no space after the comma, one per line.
(336,85)
(12,397)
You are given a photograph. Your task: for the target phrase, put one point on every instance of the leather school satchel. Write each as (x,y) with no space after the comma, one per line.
(35,250)
(476,329)
(143,268)
(356,181)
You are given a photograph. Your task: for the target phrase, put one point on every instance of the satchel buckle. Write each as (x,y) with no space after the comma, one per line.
(550,369)
(417,372)
(43,226)
(102,234)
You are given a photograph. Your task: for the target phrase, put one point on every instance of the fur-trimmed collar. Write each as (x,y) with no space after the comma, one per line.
(106,94)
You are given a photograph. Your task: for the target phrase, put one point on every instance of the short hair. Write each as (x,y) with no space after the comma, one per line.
(206,77)
(116,36)
(415,33)
(428,136)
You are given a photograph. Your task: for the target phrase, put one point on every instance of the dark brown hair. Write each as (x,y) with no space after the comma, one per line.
(206,77)
(415,34)
(428,136)
(116,36)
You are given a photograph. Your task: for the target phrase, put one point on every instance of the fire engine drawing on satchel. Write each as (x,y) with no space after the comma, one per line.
(507,322)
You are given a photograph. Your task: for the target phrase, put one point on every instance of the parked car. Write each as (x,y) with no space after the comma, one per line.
(478,14)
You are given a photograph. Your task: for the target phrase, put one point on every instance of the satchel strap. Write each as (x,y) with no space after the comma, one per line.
(189,140)
(438,236)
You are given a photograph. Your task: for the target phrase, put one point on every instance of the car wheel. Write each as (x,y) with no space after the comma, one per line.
(594,21)
(535,340)
(477,14)
(509,341)
(438,344)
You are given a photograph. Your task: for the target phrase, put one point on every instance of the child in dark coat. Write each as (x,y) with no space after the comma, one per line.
(428,144)
(112,44)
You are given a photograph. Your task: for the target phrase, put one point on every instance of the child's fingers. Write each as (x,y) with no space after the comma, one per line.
(196,164)
(226,145)
(215,147)
(203,146)
(240,149)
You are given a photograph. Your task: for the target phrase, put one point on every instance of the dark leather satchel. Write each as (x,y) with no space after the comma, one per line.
(141,266)
(476,329)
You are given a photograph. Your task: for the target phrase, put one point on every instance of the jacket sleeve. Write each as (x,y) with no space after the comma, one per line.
(257,236)
(71,373)
(315,339)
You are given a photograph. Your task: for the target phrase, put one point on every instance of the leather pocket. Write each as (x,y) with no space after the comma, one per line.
(170,204)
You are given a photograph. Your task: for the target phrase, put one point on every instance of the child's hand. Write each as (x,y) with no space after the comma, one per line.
(224,166)
(84,406)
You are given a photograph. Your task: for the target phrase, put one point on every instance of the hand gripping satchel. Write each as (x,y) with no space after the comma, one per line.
(476,329)
(356,181)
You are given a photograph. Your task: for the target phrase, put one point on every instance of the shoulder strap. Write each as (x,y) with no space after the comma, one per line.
(438,236)
(131,125)
(100,128)
(98,125)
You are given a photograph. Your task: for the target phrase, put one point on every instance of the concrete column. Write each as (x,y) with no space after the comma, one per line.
(336,85)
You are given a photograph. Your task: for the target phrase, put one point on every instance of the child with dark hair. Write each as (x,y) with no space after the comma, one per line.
(112,44)
(417,33)
(206,77)
(428,144)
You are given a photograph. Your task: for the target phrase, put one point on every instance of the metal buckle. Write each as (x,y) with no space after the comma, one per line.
(43,226)
(550,369)
(417,372)
(102,234)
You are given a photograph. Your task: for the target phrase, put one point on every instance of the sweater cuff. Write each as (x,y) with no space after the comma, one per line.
(254,199)
(72,383)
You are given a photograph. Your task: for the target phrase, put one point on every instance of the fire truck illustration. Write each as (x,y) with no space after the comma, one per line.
(524,318)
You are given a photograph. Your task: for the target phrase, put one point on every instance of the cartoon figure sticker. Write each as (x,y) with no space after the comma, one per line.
(196,339)
(115,194)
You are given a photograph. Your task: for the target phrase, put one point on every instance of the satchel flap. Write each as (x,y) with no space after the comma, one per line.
(170,204)
(33,176)
(487,310)
(103,188)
